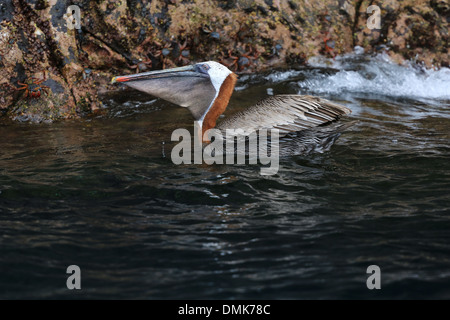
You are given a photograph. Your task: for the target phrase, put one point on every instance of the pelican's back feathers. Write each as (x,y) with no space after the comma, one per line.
(288,113)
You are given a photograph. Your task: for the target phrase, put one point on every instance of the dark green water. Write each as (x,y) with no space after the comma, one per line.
(103,194)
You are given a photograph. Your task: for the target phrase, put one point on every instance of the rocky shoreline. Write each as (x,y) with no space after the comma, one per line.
(50,71)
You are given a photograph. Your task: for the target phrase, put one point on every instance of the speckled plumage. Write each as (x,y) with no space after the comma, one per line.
(288,113)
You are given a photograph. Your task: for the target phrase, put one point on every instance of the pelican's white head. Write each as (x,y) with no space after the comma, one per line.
(204,88)
(217,73)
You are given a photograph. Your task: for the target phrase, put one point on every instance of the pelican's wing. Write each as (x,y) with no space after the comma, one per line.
(288,113)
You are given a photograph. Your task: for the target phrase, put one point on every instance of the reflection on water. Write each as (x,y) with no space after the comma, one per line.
(102,193)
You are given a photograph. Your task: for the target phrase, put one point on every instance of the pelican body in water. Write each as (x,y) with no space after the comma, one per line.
(305,123)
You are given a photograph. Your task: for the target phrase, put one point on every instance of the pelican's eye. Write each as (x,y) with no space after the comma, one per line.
(203,68)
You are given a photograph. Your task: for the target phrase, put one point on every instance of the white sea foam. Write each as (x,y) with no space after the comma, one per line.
(377,75)
(280,76)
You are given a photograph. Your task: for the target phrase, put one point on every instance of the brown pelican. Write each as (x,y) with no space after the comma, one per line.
(205,89)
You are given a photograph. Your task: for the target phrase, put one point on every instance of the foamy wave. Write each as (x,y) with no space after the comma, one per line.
(377,75)
(280,76)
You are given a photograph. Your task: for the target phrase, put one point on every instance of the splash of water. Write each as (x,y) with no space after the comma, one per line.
(358,73)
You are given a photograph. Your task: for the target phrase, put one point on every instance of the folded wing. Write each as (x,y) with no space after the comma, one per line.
(288,113)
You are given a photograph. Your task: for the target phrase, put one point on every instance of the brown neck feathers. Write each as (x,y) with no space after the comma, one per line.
(220,104)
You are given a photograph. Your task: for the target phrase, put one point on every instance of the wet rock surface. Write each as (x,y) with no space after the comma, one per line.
(50,71)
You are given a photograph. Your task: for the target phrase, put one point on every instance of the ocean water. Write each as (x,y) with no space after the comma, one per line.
(102,193)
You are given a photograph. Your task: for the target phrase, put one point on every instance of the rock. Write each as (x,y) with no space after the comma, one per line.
(117,37)
(411,30)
